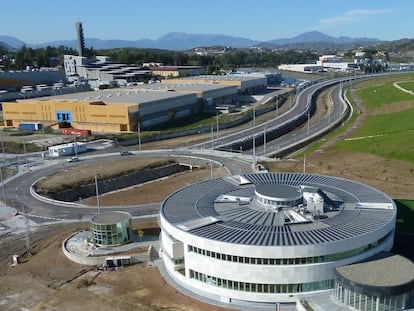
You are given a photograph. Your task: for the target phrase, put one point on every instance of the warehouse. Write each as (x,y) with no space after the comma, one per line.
(115,110)
(207,93)
(245,83)
(271,237)
(120,110)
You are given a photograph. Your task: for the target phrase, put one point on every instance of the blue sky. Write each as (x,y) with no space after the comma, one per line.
(46,20)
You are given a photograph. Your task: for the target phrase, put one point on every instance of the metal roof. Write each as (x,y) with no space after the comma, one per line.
(110,218)
(242,224)
(122,96)
(384,274)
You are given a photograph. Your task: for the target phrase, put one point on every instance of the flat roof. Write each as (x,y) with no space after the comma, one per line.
(110,218)
(127,96)
(392,270)
(185,86)
(384,274)
(199,200)
(279,191)
(212,78)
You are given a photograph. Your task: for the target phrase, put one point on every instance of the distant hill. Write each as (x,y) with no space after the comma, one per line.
(316,36)
(11,43)
(316,40)
(185,41)
(170,41)
(5,46)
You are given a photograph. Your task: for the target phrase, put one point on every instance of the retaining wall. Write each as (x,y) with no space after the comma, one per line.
(120,182)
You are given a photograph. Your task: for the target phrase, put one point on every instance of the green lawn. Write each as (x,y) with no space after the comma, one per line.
(380,95)
(407,85)
(389,136)
(405,215)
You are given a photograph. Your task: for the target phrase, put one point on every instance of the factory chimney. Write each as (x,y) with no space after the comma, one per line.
(81,39)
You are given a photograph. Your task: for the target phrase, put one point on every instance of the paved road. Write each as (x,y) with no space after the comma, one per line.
(20,198)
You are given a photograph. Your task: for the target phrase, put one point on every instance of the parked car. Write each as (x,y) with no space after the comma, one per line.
(73,159)
(125,153)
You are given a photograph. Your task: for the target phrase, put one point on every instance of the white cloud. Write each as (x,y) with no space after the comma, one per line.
(351,16)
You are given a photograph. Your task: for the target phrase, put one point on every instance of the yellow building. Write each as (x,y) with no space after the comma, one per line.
(101,111)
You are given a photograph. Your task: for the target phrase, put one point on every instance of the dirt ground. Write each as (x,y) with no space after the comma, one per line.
(47,280)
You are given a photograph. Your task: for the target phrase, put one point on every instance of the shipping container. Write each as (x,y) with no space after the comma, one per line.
(30,126)
(76,132)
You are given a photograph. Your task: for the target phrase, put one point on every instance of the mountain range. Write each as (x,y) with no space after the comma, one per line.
(184,41)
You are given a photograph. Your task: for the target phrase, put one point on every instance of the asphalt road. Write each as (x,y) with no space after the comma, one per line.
(20,198)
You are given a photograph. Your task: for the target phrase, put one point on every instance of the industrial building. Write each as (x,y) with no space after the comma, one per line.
(120,110)
(208,93)
(177,71)
(101,70)
(245,83)
(271,237)
(307,68)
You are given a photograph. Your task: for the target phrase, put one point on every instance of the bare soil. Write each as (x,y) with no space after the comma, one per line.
(47,280)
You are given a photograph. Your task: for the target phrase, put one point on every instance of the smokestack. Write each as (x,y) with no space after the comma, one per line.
(81,39)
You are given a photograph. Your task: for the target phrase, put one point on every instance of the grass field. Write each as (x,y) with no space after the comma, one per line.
(409,85)
(383,94)
(387,135)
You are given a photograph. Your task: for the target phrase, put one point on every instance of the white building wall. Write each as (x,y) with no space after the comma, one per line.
(262,274)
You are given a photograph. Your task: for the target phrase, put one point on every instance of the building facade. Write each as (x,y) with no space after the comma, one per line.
(101,111)
(271,237)
(111,228)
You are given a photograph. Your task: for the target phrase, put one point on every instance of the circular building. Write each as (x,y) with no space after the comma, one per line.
(271,237)
(385,282)
(111,228)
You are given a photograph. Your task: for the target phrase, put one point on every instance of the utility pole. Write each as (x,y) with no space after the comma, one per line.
(139,136)
(25,155)
(217,130)
(28,235)
(97,194)
(254,115)
(254,152)
(1,172)
(304,163)
(212,136)
(75,146)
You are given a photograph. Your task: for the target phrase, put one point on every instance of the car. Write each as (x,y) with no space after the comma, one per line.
(73,159)
(125,153)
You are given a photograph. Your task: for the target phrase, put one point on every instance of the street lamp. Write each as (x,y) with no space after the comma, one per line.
(139,136)
(211,170)
(97,193)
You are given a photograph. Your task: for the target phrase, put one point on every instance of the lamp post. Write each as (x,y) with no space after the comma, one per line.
(139,136)
(1,171)
(211,170)
(75,146)
(97,193)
